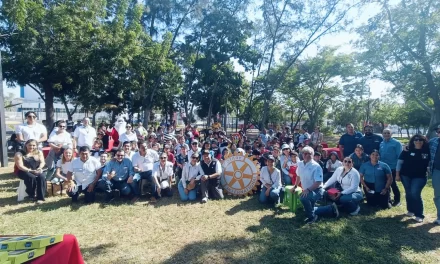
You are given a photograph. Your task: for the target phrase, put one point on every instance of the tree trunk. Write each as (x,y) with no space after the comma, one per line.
(48,103)
(94,118)
(66,107)
(407,132)
(210,109)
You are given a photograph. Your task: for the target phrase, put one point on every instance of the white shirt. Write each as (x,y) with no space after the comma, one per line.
(333,166)
(190,172)
(309,173)
(35,131)
(130,155)
(145,163)
(128,137)
(63,138)
(191,151)
(163,173)
(274,179)
(84,173)
(64,167)
(349,183)
(84,136)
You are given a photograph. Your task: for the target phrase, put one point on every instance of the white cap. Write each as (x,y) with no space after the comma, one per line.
(164,185)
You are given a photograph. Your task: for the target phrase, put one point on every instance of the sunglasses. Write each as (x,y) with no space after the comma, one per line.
(347,161)
(120,155)
(31,116)
(163,157)
(196,144)
(418,139)
(128,127)
(386,133)
(62,126)
(194,158)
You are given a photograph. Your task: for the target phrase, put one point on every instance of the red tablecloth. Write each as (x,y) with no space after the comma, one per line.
(65,252)
(330,150)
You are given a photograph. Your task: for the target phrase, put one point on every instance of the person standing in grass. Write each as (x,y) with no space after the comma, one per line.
(435,169)
(411,170)
(390,150)
(310,176)
(348,141)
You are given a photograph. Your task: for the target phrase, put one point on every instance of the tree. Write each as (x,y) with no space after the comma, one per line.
(401,45)
(314,84)
(296,26)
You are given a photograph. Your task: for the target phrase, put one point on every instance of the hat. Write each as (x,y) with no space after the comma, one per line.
(195,155)
(334,153)
(195,141)
(270,157)
(285,146)
(206,151)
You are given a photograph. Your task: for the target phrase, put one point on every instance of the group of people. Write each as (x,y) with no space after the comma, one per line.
(153,160)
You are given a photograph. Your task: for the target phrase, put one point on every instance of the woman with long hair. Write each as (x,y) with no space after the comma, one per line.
(411,170)
(63,166)
(30,163)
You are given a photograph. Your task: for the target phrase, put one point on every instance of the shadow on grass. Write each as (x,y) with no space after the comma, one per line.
(347,240)
(97,250)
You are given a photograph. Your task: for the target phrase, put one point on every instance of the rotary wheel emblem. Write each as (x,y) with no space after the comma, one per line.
(240,175)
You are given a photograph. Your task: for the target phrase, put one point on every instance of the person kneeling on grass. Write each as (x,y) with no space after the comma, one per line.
(187,184)
(376,178)
(346,193)
(310,176)
(85,172)
(119,174)
(163,174)
(270,178)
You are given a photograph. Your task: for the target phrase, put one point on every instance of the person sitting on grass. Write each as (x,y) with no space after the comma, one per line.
(332,164)
(346,194)
(30,163)
(310,176)
(163,173)
(188,182)
(376,178)
(83,175)
(119,173)
(211,170)
(270,178)
(62,166)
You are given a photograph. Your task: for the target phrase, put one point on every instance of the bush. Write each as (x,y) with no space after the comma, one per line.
(327,130)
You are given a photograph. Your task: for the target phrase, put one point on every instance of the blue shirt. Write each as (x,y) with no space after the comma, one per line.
(376,174)
(390,151)
(357,162)
(123,169)
(370,143)
(349,142)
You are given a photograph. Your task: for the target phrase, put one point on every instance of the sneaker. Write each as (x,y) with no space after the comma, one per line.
(312,220)
(134,199)
(153,200)
(205,200)
(335,210)
(396,204)
(436,222)
(356,212)
(409,214)
(419,220)
(40,202)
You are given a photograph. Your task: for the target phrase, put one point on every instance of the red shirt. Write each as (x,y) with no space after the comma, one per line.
(115,136)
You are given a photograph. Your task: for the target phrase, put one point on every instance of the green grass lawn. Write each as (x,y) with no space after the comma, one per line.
(235,230)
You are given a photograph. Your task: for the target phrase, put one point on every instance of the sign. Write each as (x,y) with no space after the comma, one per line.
(240,175)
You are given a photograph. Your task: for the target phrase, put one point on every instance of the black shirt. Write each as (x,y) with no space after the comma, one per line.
(415,163)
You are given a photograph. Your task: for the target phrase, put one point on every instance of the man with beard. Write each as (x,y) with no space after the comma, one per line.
(370,141)
(348,141)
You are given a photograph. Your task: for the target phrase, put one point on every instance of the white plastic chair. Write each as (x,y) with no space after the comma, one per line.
(21,191)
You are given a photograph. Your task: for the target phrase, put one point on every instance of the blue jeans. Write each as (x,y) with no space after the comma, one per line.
(191,196)
(413,189)
(310,200)
(436,186)
(274,195)
(348,203)
(147,175)
(286,179)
